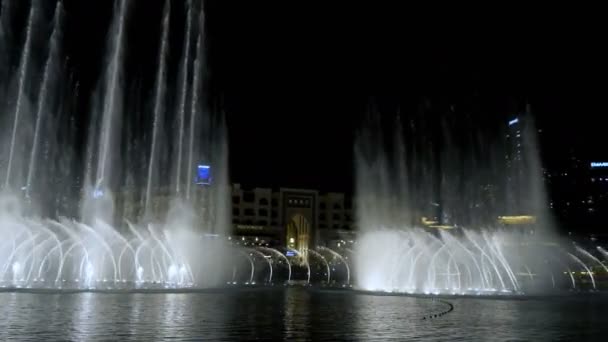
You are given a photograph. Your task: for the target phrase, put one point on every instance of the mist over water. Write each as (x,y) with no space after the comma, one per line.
(102,190)
(431,200)
(102,216)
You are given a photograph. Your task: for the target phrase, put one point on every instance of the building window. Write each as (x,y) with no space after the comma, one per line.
(322,217)
(262,223)
(249,212)
(274,223)
(236,199)
(322,226)
(336,226)
(249,222)
(236,211)
(263,212)
(336,216)
(274,214)
(248,197)
(235,221)
(337,206)
(263,201)
(348,203)
(322,205)
(274,202)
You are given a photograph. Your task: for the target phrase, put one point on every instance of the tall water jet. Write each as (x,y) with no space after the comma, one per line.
(158,101)
(421,231)
(183,91)
(21,91)
(193,110)
(43,248)
(42,109)
(526,193)
(98,199)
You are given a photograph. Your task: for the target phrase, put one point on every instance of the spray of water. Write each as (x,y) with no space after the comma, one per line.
(181,113)
(158,102)
(24,66)
(43,95)
(438,231)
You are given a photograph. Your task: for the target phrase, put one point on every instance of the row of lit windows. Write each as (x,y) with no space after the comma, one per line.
(302,202)
(274,224)
(323,217)
(251,212)
(274,214)
(252,222)
(250,198)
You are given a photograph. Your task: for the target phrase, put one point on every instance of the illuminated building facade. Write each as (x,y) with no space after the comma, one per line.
(295,219)
(199,198)
(525,191)
(515,168)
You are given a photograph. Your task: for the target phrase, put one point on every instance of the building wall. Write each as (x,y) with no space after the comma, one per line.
(292,218)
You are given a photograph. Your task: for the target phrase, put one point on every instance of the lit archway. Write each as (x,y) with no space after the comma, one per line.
(298,234)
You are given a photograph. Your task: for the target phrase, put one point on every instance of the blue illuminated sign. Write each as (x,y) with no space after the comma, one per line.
(599,164)
(203,175)
(513,122)
(290,253)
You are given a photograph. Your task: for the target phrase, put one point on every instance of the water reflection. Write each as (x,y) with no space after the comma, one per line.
(293,314)
(297,314)
(85,315)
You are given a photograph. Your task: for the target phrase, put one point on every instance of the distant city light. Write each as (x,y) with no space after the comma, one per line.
(599,164)
(513,122)
(517,219)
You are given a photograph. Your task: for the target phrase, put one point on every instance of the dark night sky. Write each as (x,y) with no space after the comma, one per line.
(296,78)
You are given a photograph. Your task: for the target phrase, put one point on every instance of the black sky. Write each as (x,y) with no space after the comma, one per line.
(296,78)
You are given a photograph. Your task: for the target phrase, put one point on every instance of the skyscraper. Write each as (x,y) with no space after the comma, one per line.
(524,187)
(514,164)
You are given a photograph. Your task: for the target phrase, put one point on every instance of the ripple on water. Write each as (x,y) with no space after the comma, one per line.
(293,314)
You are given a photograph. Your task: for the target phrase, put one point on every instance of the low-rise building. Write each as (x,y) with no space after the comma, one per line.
(296,219)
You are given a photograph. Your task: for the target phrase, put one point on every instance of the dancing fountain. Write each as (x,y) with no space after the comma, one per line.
(110,232)
(434,213)
(76,212)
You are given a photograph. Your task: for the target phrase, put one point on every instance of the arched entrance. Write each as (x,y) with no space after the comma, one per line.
(298,234)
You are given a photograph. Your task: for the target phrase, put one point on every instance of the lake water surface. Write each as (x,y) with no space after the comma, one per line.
(296,314)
